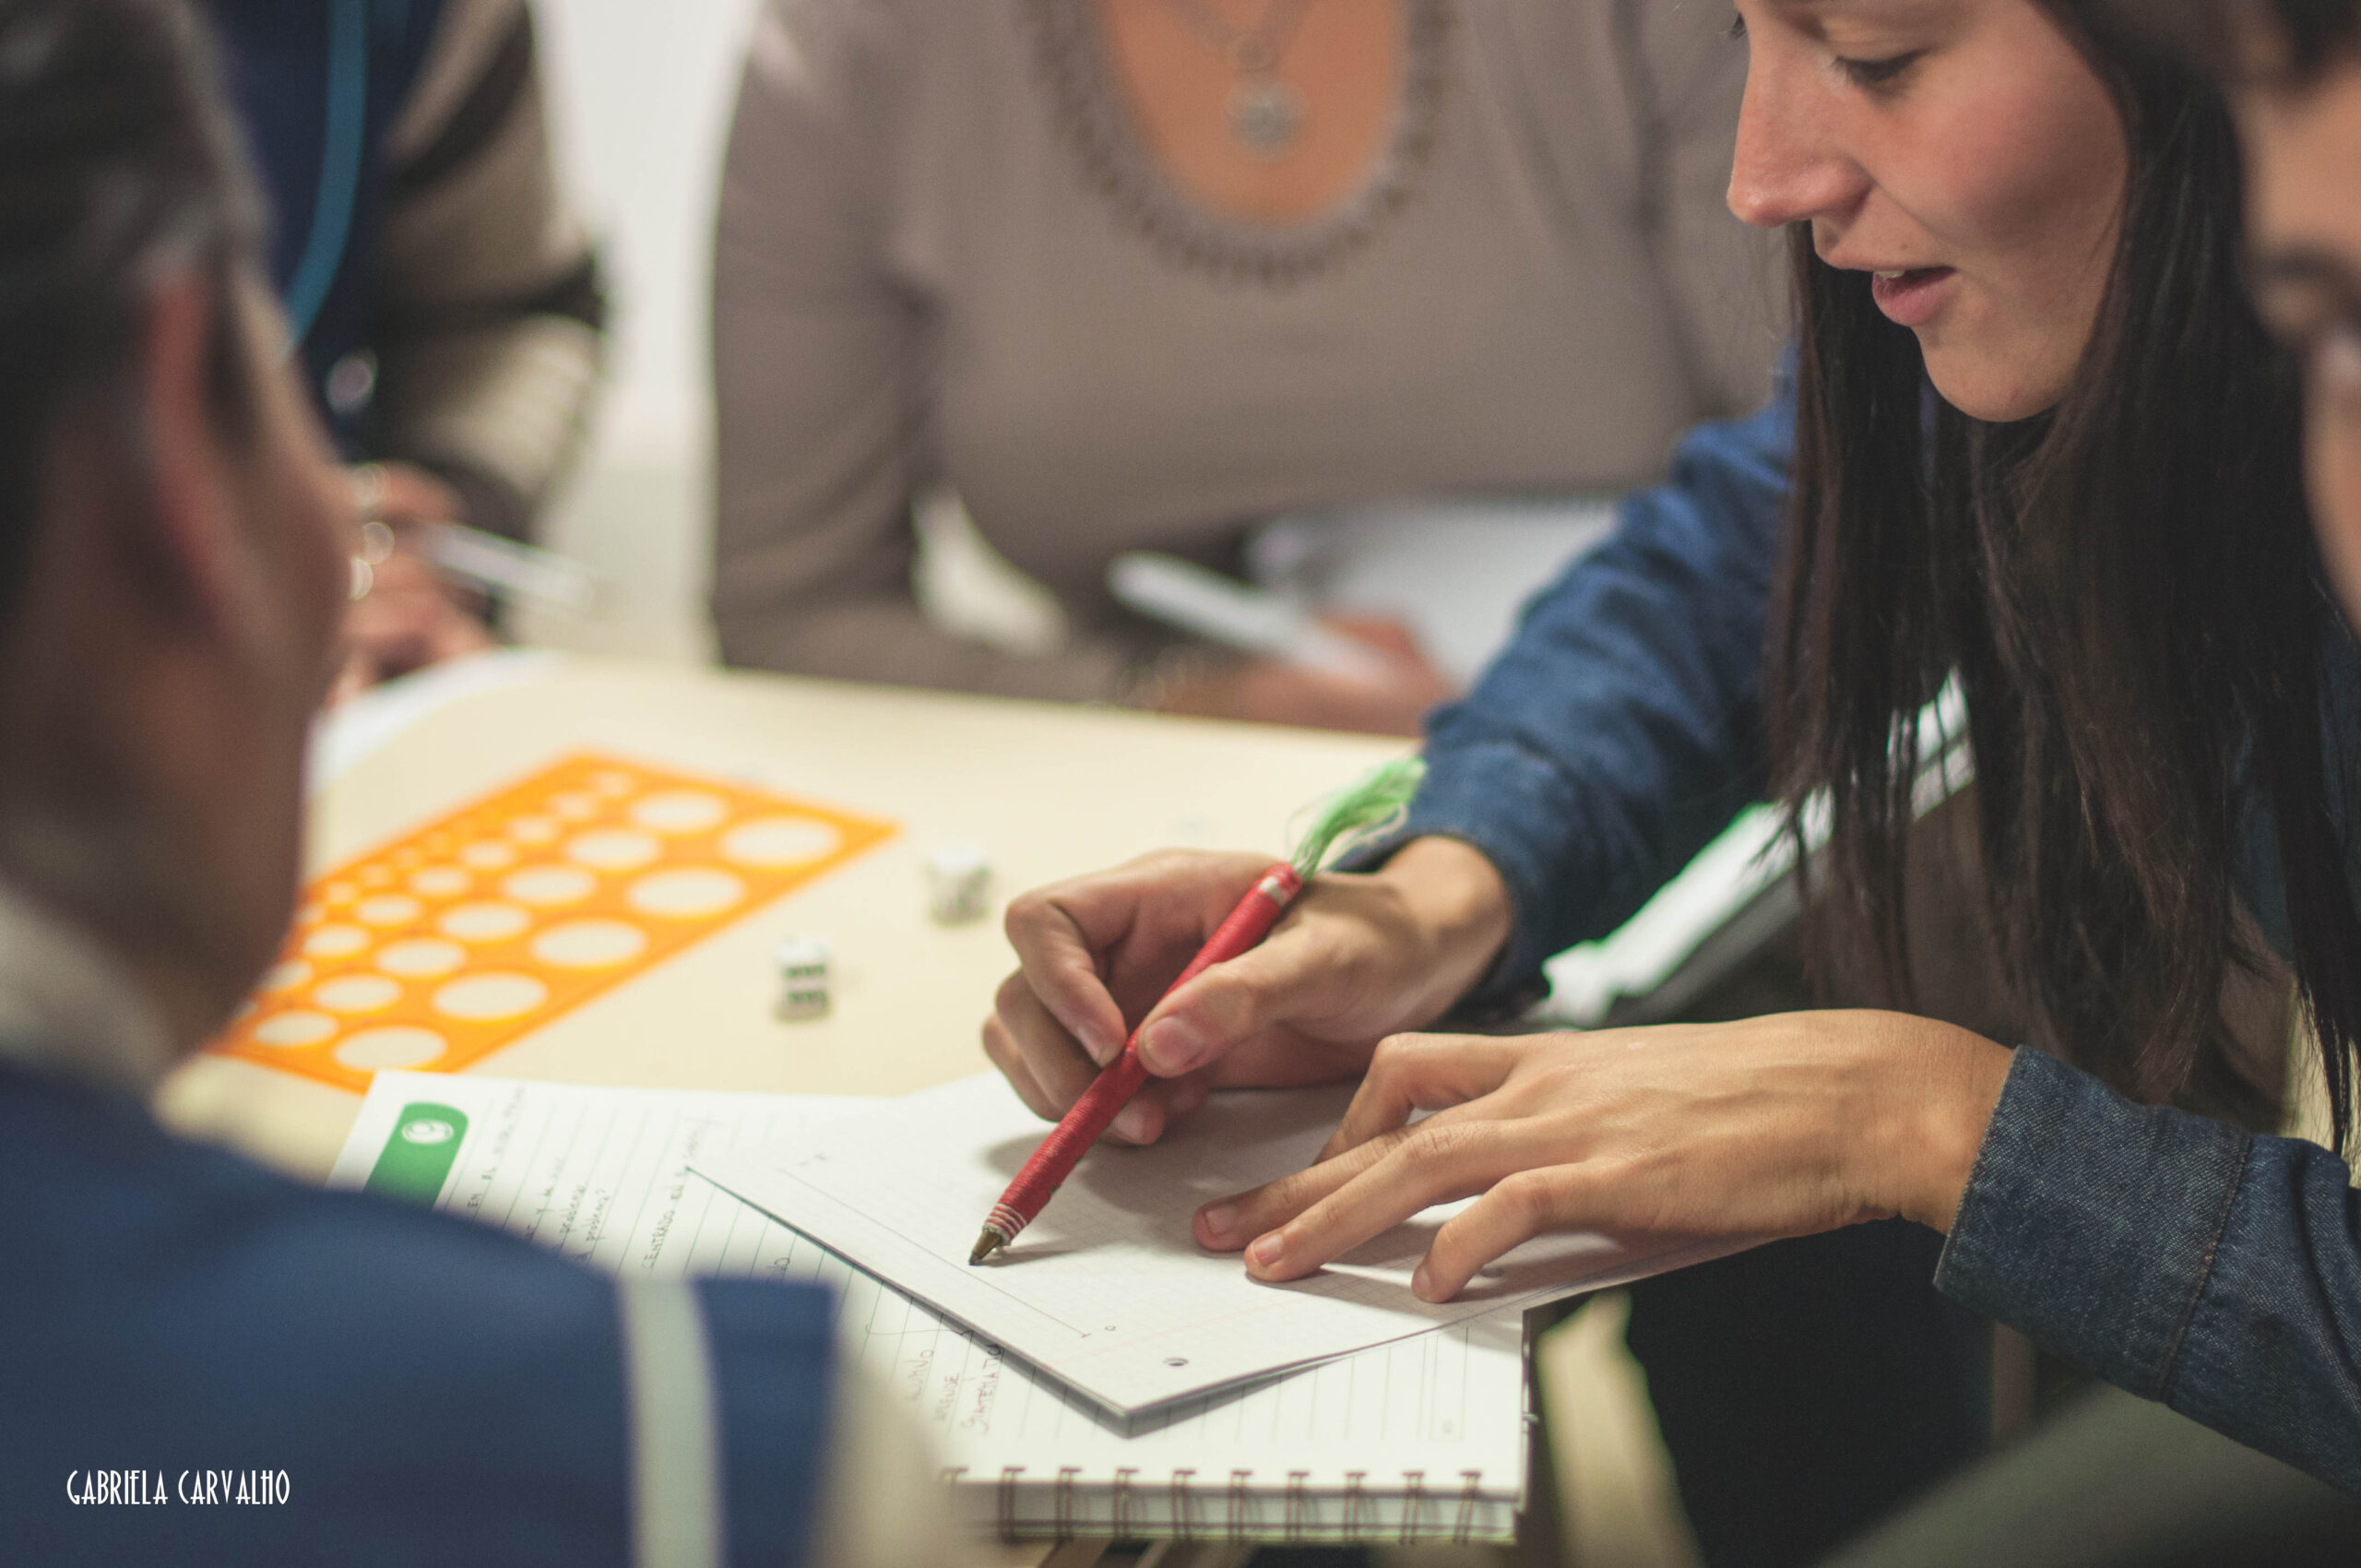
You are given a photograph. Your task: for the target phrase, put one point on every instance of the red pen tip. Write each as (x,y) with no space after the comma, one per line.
(990,1242)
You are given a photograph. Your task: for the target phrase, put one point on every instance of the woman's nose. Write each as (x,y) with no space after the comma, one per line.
(1790,165)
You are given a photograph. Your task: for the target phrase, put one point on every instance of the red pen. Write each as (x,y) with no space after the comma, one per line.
(1120,1079)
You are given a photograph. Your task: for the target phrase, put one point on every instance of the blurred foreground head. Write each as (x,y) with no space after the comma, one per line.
(171,552)
(2293,68)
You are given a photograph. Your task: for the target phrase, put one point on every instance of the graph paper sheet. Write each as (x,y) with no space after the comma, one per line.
(1108,1289)
(1421,1439)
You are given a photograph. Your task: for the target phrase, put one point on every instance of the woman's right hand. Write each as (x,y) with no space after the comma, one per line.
(1356,958)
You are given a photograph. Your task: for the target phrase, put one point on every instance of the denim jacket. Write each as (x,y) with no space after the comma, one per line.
(2181,1258)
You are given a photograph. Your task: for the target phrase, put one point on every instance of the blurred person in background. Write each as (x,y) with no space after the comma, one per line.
(445,300)
(1146,274)
(407,1386)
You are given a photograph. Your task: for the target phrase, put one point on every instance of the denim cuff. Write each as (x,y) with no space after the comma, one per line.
(2271,1356)
(1508,805)
(2091,1224)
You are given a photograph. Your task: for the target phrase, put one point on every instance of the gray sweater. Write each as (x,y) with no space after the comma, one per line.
(943,259)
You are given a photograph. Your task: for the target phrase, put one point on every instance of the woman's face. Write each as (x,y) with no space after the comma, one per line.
(2303,152)
(1963,153)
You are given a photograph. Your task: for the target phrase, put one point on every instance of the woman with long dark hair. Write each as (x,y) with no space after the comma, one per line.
(2040,445)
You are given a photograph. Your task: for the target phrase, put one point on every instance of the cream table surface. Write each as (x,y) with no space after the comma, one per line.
(1046,790)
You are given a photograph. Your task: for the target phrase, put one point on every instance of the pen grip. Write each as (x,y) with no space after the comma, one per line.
(1088,1118)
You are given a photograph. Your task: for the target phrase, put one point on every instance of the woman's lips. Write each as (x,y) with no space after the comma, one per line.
(1910,298)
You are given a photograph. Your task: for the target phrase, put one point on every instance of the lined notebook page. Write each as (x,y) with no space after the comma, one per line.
(1108,1289)
(1419,1438)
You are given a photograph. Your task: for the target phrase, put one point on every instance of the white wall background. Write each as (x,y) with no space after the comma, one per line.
(641,95)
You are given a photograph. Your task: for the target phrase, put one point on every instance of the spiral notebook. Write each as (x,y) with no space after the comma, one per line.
(1421,1439)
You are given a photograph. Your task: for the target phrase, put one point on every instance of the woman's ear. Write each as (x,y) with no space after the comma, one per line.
(184,517)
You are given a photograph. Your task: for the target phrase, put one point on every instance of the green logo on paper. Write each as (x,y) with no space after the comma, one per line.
(417,1159)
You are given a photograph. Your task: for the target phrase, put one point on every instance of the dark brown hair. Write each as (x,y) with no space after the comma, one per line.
(117,161)
(2215,36)
(2128,591)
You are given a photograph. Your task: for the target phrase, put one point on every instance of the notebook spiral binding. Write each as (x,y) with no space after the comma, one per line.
(1008,1502)
(1361,1524)
(1124,1502)
(1184,1512)
(1465,1530)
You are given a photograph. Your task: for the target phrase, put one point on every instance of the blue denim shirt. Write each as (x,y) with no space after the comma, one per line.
(2179,1257)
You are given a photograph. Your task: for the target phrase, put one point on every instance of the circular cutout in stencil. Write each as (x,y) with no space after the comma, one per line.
(441,882)
(572,806)
(337,892)
(490,998)
(357,994)
(487,854)
(389,908)
(335,941)
(285,975)
(421,957)
(399,1045)
(295,1028)
(774,843)
(589,944)
(680,811)
(614,848)
(484,922)
(533,830)
(687,893)
(547,887)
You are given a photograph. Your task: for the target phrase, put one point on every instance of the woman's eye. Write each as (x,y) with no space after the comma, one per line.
(1875,74)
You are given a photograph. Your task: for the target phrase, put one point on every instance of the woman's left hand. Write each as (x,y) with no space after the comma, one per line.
(406,616)
(1773,1126)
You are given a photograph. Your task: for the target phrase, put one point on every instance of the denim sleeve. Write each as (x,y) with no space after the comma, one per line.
(1619,730)
(2178,1257)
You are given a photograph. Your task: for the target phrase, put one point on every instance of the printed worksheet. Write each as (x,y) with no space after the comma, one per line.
(1108,1289)
(1424,1435)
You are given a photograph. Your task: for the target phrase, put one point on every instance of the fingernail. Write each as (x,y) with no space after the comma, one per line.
(1266,1253)
(1220,1219)
(1130,1123)
(1422,1284)
(1102,1049)
(1171,1047)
